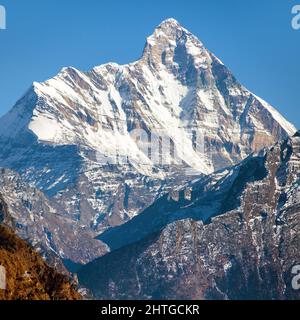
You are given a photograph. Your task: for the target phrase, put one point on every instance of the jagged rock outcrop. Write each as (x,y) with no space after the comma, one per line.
(237,240)
(43,225)
(23,273)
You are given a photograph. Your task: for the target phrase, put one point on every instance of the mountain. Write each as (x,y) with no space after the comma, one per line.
(25,274)
(103,145)
(236,236)
(36,219)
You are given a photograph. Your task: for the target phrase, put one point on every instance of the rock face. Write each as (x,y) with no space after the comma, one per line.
(77,137)
(23,273)
(242,245)
(39,221)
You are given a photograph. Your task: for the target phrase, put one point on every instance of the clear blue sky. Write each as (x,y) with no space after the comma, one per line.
(254,38)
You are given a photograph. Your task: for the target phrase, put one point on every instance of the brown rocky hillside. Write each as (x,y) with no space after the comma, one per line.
(28,277)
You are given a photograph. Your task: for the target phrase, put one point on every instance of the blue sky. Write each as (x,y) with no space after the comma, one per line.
(253,38)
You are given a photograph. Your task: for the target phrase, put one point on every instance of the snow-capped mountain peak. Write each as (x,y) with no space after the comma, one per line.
(173,46)
(170,23)
(97,141)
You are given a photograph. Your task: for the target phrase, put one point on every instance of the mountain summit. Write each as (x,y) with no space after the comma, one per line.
(171,44)
(71,136)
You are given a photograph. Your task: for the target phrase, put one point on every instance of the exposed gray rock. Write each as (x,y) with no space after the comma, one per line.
(35,219)
(243,246)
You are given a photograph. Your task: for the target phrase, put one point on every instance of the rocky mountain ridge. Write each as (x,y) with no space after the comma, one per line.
(242,248)
(24,274)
